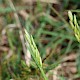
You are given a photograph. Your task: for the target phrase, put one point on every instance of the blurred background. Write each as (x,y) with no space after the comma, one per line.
(47,21)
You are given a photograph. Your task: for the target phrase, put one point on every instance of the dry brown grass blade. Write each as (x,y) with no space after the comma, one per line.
(18,24)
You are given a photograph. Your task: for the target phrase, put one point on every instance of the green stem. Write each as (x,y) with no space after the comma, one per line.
(40,68)
(43,74)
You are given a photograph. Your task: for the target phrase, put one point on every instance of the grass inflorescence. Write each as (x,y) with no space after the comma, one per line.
(74,25)
(34,52)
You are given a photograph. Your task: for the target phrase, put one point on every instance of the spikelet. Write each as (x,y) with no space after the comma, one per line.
(74,25)
(35,53)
